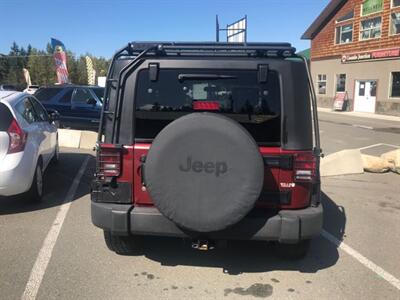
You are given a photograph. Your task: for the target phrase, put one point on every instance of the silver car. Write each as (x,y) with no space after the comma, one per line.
(28,143)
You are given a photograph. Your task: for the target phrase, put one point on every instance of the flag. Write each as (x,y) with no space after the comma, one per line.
(60,61)
(91,73)
(27,77)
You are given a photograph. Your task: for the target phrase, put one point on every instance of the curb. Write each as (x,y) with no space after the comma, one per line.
(359,114)
(352,161)
(345,162)
(79,139)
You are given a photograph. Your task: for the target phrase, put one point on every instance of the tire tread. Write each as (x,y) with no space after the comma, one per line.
(123,245)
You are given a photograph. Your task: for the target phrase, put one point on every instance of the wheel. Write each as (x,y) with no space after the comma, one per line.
(35,192)
(123,245)
(56,155)
(292,251)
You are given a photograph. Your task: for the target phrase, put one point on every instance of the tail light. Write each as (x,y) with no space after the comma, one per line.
(305,165)
(17,138)
(109,161)
(206,105)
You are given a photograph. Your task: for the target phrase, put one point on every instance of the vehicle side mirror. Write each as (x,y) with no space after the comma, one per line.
(91,101)
(53,115)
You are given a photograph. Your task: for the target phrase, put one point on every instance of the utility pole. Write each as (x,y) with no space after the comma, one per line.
(217,28)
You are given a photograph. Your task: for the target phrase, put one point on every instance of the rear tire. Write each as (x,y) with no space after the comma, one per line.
(123,245)
(35,192)
(292,251)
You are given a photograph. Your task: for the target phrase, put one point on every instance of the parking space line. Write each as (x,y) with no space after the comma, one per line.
(43,258)
(363,260)
(371,146)
(390,145)
(363,126)
(378,145)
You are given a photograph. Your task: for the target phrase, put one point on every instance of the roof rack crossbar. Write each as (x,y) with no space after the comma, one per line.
(209,48)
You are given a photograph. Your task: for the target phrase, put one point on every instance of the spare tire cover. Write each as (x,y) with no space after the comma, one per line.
(204,172)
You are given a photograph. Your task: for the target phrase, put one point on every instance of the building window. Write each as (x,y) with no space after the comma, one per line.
(395,85)
(395,3)
(321,82)
(344,34)
(371,28)
(340,82)
(346,17)
(395,23)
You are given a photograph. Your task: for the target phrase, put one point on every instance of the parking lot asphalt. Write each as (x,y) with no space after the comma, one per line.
(340,132)
(24,225)
(363,211)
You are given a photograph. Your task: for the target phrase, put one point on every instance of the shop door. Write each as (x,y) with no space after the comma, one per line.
(365,96)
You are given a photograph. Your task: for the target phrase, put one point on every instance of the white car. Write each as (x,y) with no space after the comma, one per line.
(28,143)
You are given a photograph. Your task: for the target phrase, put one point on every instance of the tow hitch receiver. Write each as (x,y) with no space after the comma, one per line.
(203,245)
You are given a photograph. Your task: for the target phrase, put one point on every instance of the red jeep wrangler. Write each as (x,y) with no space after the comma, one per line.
(208,141)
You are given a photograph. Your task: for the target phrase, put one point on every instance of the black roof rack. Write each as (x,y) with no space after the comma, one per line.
(208,49)
(139,50)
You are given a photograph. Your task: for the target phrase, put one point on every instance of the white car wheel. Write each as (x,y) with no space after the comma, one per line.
(39,180)
(35,193)
(56,155)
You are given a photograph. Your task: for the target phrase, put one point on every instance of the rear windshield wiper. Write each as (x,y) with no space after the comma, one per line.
(183,77)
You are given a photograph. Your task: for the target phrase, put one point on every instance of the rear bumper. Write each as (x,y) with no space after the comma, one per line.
(287,226)
(16,173)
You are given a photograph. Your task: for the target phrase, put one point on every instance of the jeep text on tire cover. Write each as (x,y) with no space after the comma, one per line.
(210,141)
(217,168)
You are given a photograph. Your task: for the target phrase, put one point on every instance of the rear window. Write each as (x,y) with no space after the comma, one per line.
(45,94)
(26,110)
(5,117)
(237,94)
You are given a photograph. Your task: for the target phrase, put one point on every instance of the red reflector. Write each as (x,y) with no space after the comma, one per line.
(206,105)
(17,138)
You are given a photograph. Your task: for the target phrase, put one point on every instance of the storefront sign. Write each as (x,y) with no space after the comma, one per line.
(379,54)
(340,101)
(371,7)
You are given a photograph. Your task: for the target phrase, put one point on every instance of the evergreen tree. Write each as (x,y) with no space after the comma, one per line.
(101,66)
(15,65)
(72,66)
(40,64)
(4,67)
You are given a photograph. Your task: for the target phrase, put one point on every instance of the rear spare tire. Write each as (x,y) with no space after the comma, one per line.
(204,172)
